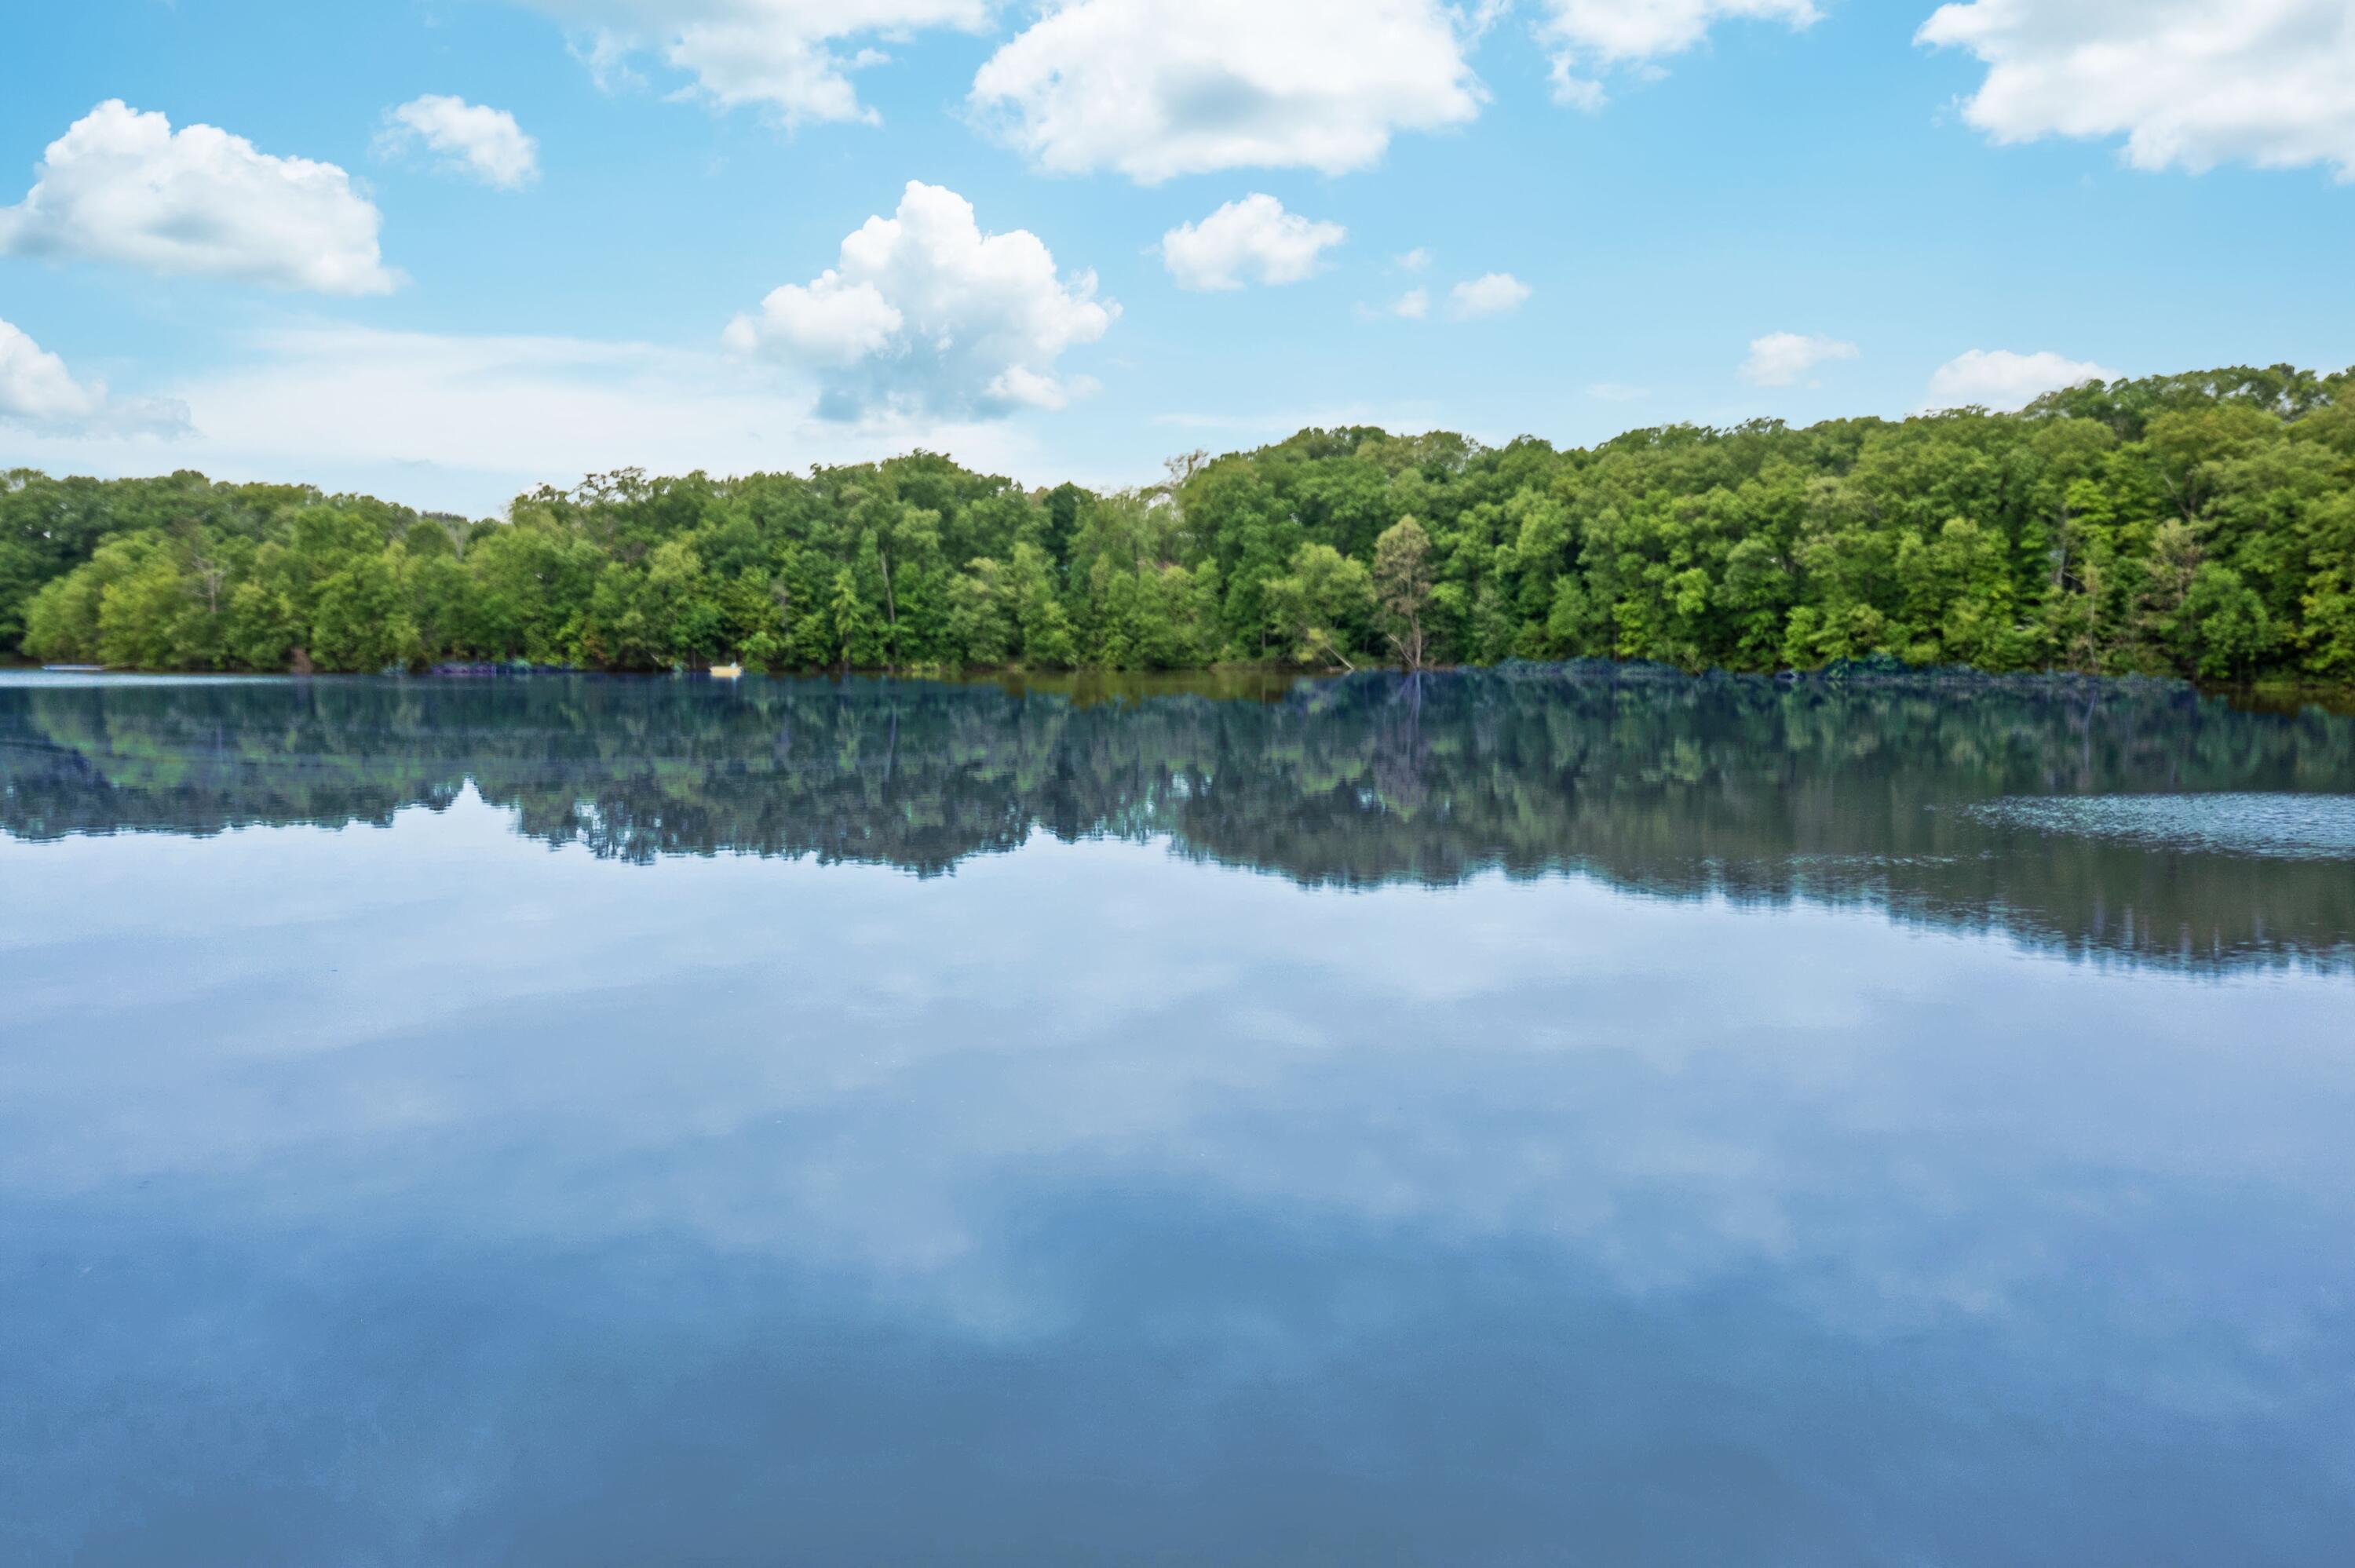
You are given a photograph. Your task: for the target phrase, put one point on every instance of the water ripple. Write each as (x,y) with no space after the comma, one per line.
(2274,827)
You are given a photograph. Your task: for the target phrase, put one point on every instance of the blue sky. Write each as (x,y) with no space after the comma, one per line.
(1682,210)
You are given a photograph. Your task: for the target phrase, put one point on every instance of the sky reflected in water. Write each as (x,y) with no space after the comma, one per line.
(621,1123)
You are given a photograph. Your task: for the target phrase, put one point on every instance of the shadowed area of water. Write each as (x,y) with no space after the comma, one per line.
(1915,796)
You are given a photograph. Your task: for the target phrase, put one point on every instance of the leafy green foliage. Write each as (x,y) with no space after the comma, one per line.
(2200,524)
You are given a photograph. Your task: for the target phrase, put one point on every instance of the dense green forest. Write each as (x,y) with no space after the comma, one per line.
(2200,524)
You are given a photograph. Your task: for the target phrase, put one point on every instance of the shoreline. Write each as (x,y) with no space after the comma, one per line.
(1270,682)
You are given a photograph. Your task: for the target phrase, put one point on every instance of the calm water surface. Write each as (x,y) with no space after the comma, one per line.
(1500,1120)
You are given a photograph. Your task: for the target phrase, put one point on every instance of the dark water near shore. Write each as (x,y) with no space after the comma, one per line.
(1493,1119)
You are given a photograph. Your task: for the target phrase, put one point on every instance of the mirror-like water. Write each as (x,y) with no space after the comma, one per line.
(1512,1118)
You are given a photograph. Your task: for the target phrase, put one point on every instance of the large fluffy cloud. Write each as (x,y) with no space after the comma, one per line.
(1780,358)
(37,392)
(781,54)
(1252,239)
(484,142)
(120,185)
(1160,87)
(1589,37)
(1999,378)
(2189,83)
(926,315)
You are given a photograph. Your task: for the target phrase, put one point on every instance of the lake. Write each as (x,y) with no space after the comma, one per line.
(1537,1117)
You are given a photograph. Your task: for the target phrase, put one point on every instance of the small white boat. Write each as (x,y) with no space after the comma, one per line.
(727,672)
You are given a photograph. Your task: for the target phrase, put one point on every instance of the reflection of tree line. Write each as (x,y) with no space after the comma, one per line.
(1671,787)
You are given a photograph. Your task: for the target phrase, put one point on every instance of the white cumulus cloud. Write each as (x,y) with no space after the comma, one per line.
(485,142)
(1999,378)
(2189,83)
(792,57)
(1587,38)
(465,423)
(1780,358)
(37,392)
(120,185)
(1413,305)
(925,314)
(1493,295)
(1253,240)
(1160,87)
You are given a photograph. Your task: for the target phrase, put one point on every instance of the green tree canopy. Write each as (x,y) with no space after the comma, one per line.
(2196,525)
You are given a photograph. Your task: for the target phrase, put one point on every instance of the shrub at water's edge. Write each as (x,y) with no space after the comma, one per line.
(2199,526)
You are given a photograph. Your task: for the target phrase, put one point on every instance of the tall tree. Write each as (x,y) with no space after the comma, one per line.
(1403,587)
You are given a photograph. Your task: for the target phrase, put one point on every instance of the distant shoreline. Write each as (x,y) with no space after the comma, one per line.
(1265,681)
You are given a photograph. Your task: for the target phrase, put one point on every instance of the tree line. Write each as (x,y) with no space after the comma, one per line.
(2200,524)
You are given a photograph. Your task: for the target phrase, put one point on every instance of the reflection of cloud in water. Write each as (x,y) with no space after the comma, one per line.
(1095,1183)
(2278,827)
(853,1066)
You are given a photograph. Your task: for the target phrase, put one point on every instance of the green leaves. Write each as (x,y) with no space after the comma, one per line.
(2198,525)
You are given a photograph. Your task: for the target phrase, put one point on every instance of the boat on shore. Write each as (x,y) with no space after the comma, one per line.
(727,672)
(73,668)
